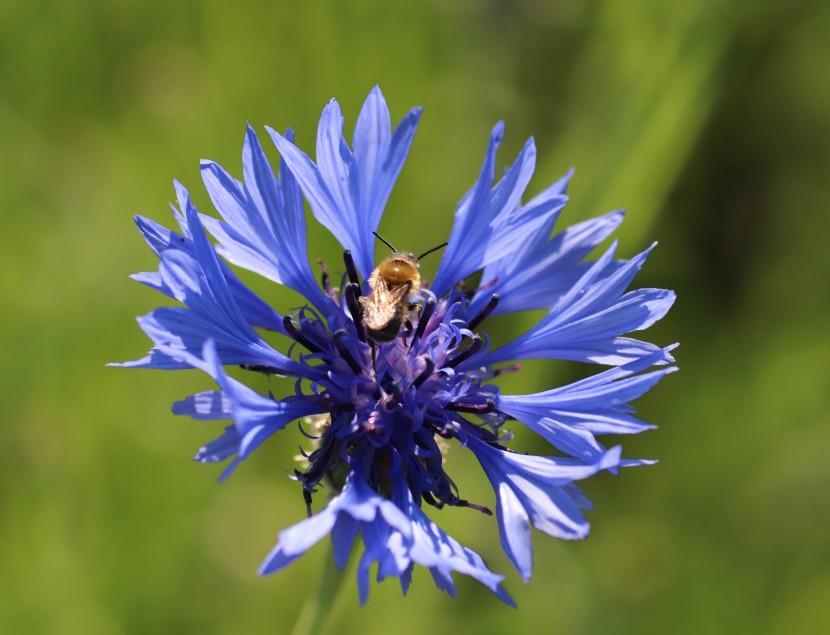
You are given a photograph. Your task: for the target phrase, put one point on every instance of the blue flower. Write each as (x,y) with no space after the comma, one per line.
(389,374)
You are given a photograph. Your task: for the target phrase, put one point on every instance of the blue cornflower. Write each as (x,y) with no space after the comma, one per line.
(382,397)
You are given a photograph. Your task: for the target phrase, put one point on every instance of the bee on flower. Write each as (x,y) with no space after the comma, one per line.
(393,284)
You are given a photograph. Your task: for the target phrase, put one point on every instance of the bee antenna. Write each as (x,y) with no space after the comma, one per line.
(384,241)
(426,253)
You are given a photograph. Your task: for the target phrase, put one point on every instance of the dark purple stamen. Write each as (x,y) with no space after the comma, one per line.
(306,498)
(352,293)
(458,502)
(390,387)
(351,270)
(294,333)
(426,374)
(344,353)
(320,461)
(426,314)
(474,347)
(484,313)
(307,435)
(477,408)
(430,500)
(324,277)
(481,508)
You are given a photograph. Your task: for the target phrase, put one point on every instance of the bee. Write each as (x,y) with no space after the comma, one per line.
(393,284)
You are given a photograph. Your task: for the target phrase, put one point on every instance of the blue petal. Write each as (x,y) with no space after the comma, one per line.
(355,502)
(221,448)
(254,309)
(396,536)
(539,491)
(160,239)
(434,548)
(514,529)
(568,417)
(255,417)
(297,539)
(586,323)
(264,229)
(343,535)
(347,192)
(191,272)
(380,157)
(212,314)
(544,269)
(490,222)
(209,405)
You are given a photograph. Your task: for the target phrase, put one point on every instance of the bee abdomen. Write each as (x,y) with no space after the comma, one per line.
(388,332)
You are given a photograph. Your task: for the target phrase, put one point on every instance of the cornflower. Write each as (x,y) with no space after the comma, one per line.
(382,405)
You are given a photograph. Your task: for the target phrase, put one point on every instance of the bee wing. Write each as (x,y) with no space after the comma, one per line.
(382,304)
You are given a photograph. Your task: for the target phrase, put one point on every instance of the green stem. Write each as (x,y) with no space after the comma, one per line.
(318,607)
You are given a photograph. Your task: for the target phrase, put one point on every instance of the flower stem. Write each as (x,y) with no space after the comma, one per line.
(319,606)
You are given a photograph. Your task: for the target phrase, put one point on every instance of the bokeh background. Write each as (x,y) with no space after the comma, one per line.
(708,120)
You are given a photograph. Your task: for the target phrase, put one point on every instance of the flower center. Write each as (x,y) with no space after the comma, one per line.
(401,400)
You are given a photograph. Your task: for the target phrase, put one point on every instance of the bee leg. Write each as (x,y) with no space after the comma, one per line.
(374,356)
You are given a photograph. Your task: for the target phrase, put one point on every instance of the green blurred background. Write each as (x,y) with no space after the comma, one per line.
(709,121)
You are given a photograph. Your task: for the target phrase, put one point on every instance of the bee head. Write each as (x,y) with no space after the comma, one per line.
(400,268)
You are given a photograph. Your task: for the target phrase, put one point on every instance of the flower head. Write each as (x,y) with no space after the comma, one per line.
(389,371)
